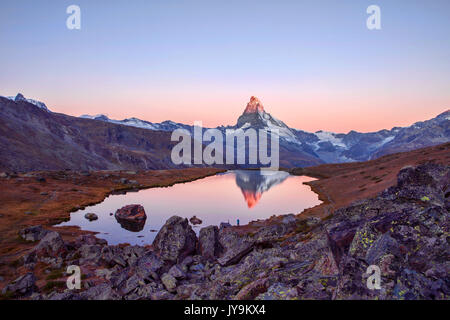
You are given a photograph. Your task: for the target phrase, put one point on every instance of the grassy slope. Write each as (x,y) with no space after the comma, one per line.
(338,185)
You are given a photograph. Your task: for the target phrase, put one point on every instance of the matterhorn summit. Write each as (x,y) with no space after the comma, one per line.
(256,117)
(254,106)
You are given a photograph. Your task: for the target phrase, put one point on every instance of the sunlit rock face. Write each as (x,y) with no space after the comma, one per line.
(254,106)
(254,183)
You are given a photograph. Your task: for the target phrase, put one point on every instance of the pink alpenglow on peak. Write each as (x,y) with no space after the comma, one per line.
(254,106)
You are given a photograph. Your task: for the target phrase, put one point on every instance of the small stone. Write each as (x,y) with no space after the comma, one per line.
(224,225)
(91,216)
(252,290)
(169,282)
(198,267)
(177,272)
(194,220)
(161,295)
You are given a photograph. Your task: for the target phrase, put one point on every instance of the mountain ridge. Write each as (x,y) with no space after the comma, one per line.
(132,143)
(328,146)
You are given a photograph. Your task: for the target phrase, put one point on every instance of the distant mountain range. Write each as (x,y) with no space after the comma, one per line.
(34,138)
(326,147)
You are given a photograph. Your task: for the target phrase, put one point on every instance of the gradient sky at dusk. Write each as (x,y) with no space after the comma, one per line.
(313,64)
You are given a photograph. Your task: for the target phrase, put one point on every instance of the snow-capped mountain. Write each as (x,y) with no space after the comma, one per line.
(301,148)
(138,123)
(20,97)
(356,146)
(326,147)
(256,117)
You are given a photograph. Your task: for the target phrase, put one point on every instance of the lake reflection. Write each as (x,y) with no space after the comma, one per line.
(246,195)
(254,183)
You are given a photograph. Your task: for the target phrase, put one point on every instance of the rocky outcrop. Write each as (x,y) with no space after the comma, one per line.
(235,246)
(208,243)
(34,233)
(403,231)
(22,286)
(52,245)
(176,240)
(131,217)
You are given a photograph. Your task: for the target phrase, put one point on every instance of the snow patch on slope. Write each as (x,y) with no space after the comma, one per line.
(325,136)
(38,104)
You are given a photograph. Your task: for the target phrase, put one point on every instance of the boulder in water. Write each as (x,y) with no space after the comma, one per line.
(91,216)
(131,217)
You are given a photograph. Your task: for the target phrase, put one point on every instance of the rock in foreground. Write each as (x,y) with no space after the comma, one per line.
(22,286)
(176,240)
(403,231)
(208,243)
(34,233)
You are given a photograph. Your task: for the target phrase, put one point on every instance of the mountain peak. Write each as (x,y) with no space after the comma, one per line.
(254,106)
(19,97)
(444,115)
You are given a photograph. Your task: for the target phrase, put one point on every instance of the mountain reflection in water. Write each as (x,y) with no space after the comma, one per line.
(254,183)
(213,199)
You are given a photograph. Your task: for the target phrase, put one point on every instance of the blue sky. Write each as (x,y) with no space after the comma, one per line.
(313,64)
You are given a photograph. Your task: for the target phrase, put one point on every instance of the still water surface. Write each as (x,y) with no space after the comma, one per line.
(241,194)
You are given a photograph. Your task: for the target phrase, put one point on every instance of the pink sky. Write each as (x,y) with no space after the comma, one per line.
(309,112)
(315,66)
